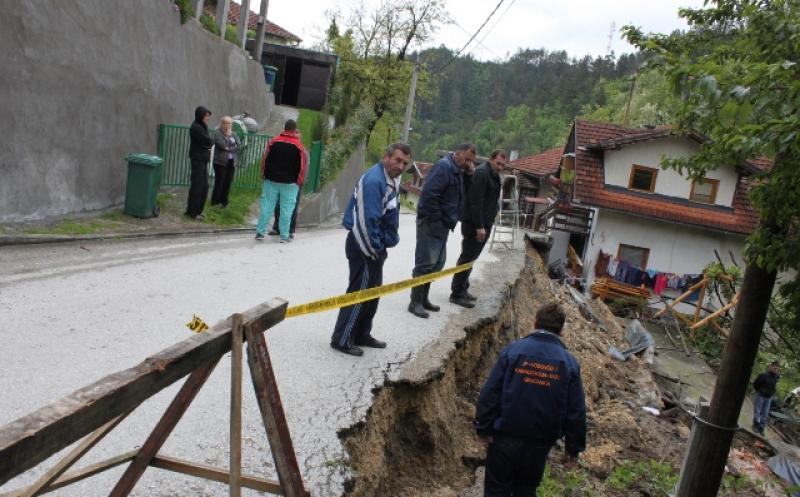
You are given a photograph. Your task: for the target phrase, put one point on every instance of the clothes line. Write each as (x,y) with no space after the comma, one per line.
(653,279)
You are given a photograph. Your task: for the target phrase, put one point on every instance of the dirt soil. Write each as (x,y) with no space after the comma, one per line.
(417,439)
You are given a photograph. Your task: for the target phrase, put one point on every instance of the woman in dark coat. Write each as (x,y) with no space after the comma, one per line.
(200,143)
(226,145)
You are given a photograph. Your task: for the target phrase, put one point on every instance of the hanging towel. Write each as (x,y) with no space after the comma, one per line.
(613,264)
(601,266)
(661,283)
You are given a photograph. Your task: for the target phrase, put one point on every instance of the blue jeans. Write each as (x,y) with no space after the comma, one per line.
(431,253)
(761,414)
(271,194)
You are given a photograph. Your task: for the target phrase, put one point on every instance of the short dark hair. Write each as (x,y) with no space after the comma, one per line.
(775,363)
(290,125)
(466,146)
(550,317)
(403,147)
(497,152)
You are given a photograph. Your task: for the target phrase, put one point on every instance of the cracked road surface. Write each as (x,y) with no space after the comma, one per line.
(73,313)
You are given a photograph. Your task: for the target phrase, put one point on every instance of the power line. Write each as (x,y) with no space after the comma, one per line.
(499,20)
(471,38)
(480,42)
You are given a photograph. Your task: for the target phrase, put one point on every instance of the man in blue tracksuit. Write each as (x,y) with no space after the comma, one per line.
(372,217)
(437,214)
(533,397)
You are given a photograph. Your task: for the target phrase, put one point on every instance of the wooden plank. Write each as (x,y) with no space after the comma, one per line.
(700,299)
(214,474)
(680,297)
(81,474)
(64,464)
(163,428)
(33,438)
(269,403)
(716,313)
(236,407)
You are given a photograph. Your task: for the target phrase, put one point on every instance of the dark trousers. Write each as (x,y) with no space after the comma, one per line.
(294,213)
(514,467)
(198,189)
(223,178)
(355,322)
(431,251)
(471,248)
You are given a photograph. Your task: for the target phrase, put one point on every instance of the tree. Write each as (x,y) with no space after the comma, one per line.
(373,69)
(736,73)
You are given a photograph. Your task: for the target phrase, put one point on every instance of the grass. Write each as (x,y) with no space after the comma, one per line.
(305,124)
(71,227)
(239,204)
(656,477)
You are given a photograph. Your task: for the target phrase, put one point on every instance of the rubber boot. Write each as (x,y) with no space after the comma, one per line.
(426,304)
(415,307)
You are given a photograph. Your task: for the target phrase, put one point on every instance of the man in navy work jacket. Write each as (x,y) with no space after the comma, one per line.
(372,217)
(533,397)
(437,215)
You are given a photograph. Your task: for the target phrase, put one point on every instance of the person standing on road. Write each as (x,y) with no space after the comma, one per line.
(200,143)
(275,231)
(371,218)
(437,215)
(226,144)
(764,386)
(283,168)
(532,397)
(477,218)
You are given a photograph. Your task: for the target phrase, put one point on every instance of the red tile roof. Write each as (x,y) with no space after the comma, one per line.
(590,186)
(272,29)
(541,164)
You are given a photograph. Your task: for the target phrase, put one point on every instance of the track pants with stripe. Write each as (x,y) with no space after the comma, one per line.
(355,322)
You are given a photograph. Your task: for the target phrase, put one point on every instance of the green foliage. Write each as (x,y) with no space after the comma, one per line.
(70,227)
(736,74)
(311,125)
(707,342)
(564,483)
(239,204)
(653,477)
(231,33)
(343,142)
(185,8)
(209,23)
(652,102)
(251,33)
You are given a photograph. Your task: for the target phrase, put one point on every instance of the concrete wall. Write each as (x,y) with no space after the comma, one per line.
(85,83)
(618,165)
(334,196)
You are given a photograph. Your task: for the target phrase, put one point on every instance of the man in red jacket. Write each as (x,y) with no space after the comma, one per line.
(283,168)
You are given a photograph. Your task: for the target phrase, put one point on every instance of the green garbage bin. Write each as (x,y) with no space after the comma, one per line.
(144,178)
(270,74)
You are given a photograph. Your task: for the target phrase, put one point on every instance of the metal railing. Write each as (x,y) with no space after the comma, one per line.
(173,147)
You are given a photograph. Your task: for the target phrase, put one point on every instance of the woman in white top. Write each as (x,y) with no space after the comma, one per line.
(226,146)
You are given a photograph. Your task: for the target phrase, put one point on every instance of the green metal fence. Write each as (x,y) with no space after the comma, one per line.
(173,147)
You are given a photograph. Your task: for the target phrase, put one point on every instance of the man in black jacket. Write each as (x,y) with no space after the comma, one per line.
(200,143)
(477,218)
(765,388)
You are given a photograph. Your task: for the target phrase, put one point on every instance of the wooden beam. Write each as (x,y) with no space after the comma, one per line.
(716,313)
(680,297)
(269,403)
(64,464)
(700,300)
(81,474)
(214,474)
(163,428)
(236,407)
(33,438)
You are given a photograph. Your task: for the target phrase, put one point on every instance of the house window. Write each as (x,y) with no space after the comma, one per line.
(704,190)
(635,256)
(643,178)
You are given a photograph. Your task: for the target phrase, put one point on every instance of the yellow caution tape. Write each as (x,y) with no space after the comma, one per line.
(370,293)
(197,325)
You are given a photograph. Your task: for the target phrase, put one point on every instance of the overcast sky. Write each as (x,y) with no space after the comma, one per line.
(578,26)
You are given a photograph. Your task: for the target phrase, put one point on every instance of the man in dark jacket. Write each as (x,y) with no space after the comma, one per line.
(437,215)
(765,388)
(533,397)
(477,217)
(283,168)
(200,143)
(371,218)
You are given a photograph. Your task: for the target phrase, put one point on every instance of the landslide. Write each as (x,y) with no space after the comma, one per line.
(417,438)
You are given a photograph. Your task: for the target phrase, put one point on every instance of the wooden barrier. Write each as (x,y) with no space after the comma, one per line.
(606,288)
(99,407)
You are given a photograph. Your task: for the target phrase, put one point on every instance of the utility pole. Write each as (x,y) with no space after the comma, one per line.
(198,9)
(244,17)
(410,106)
(222,16)
(630,97)
(262,24)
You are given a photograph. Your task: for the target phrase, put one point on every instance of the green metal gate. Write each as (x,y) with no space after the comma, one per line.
(173,147)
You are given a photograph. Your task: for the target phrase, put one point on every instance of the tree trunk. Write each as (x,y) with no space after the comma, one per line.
(704,463)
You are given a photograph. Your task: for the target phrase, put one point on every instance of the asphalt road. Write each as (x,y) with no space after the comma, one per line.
(72,313)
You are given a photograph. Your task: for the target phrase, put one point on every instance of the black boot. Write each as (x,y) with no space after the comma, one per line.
(426,304)
(415,307)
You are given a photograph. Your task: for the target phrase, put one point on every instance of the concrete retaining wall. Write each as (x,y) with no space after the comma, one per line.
(334,196)
(85,83)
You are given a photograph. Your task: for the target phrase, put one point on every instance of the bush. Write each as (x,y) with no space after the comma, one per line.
(185,8)
(343,141)
(209,23)
(231,34)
